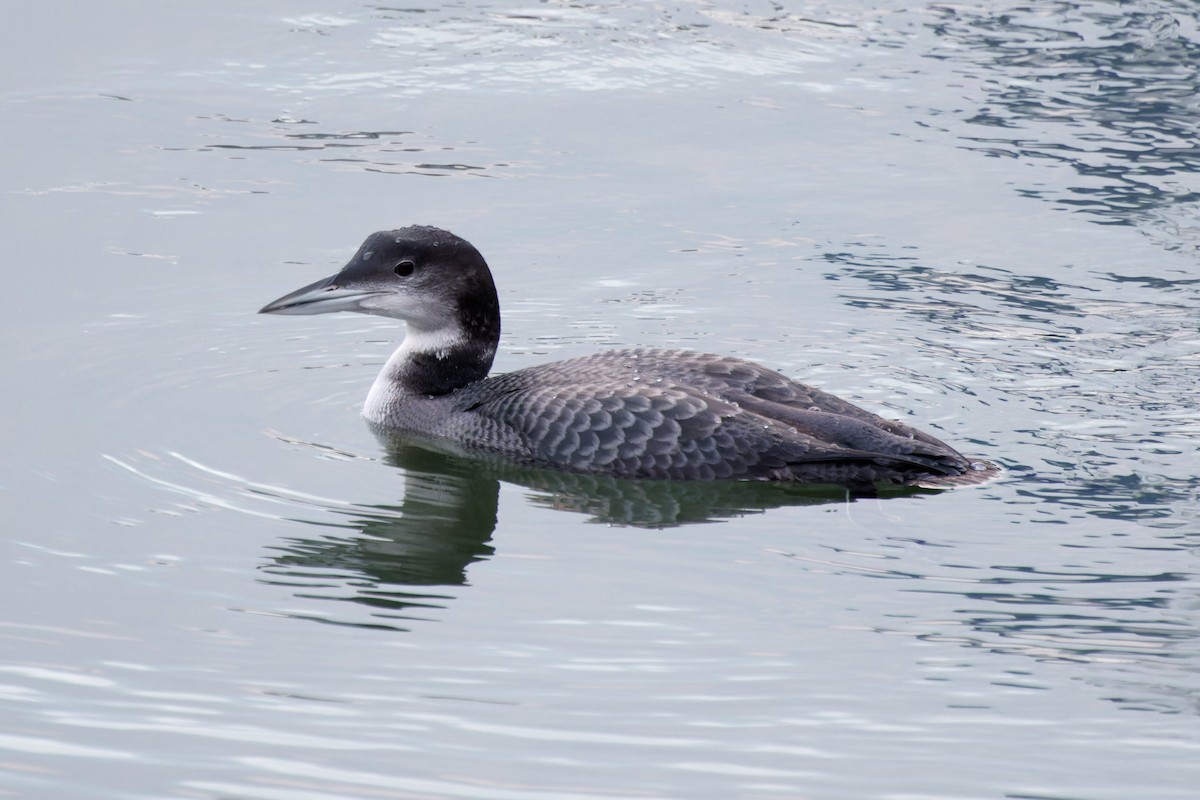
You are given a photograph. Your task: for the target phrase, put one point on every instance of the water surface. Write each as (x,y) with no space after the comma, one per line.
(977,217)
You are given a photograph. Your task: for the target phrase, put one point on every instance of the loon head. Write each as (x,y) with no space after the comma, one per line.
(430,278)
(436,282)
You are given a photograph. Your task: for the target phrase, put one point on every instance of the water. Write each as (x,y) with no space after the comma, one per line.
(980,217)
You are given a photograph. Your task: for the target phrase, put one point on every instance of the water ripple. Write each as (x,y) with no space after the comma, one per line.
(623,46)
(1108,90)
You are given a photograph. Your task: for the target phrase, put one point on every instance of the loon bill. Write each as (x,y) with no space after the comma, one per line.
(639,413)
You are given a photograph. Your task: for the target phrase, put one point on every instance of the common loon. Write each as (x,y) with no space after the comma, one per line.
(638,413)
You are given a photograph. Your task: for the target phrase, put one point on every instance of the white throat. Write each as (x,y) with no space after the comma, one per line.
(437,342)
(388,390)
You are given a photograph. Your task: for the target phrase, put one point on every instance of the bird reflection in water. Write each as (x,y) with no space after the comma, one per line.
(402,560)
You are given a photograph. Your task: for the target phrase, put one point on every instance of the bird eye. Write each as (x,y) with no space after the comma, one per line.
(404,268)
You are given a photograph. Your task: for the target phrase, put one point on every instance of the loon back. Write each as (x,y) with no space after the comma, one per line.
(631,413)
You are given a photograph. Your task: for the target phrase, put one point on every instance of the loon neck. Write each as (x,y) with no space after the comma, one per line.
(441,352)
(440,362)
(430,363)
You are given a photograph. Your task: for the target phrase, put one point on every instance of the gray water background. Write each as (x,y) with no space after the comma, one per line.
(979,217)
